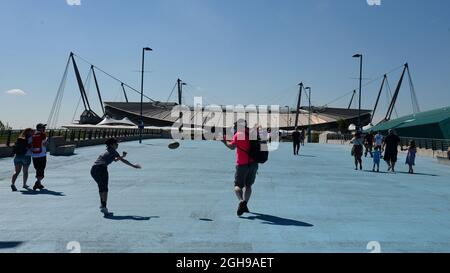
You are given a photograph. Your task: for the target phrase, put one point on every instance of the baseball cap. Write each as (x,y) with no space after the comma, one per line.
(41,125)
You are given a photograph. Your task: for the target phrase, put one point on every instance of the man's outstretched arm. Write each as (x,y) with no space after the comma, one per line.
(229,144)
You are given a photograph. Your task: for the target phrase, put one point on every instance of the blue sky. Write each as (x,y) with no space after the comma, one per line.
(230,52)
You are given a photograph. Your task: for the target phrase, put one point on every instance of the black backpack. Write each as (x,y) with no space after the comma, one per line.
(21,147)
(257,152)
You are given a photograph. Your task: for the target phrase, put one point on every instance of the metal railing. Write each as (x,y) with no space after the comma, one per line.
(422,143)
(9,137)
(340,137)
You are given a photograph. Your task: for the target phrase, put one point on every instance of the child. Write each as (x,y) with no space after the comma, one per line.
(100,170)
(411,156)
(376,158)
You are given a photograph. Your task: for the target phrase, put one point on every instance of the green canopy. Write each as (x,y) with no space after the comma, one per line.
(430,124)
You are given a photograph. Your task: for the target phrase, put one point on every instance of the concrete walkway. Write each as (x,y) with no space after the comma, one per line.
(182,201)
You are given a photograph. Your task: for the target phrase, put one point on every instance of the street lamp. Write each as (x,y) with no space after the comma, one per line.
(141,121)
(360,56)
(180,84)
(309,117)
(288,120)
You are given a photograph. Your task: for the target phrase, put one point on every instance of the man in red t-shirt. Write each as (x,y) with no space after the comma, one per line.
(246,167)
(39,154)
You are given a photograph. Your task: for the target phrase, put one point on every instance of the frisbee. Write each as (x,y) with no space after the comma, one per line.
(174,145)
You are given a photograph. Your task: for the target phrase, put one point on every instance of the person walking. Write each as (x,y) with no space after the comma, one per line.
(390,147)
(411,156)
(99,170)
(22,159)
(357,149)
(246,167)
(302,137)
(368,142)
(296,140)
(378,140)
(39,154)
(376,158)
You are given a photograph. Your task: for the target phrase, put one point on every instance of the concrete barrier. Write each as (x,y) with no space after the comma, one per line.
(6,151)
(57,146)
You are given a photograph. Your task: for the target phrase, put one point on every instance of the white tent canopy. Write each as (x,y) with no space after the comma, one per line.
(123,122)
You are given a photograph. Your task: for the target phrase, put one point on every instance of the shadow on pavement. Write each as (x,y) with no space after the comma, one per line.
(44,191)
(306,155)
(275,220)
(129,217)
(370,171)
(424,174)
(4,245)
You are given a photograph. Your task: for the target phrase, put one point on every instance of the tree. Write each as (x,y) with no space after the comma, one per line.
(342,125)
(4,127)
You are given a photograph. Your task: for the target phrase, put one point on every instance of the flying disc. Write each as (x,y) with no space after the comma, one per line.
(174,145)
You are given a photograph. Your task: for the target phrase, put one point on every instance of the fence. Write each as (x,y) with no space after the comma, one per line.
(8,137)
(421,143)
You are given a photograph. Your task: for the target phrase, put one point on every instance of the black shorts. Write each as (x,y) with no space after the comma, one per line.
(100,175)
(39,164)
(245,175)
(390,156)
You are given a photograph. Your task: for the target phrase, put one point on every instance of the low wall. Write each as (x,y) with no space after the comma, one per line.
(342,142)
(8,151)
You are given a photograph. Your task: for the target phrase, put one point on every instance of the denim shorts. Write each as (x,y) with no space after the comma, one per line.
(22,160)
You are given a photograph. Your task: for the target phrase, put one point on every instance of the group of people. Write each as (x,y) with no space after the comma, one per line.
(30,146)
(244,177)
(375,145)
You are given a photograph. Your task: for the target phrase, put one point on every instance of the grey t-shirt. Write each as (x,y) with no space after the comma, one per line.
(107,157)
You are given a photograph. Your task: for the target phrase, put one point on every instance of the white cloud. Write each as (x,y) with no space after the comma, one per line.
(16,92)
(73,2)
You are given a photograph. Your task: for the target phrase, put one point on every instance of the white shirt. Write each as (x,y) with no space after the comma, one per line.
(30,142)
(378,140)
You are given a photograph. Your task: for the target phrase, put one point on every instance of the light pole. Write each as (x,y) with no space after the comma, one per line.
(180,84)
(309,117)
(360,56)
(288,120)
(141,121)
(298,104)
